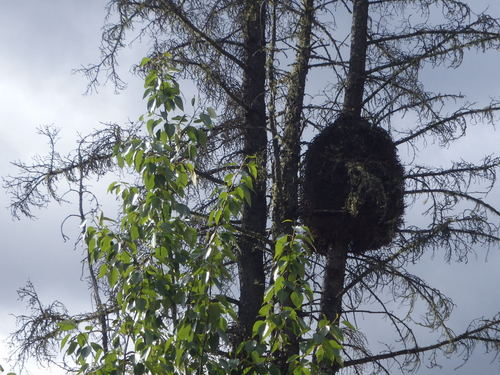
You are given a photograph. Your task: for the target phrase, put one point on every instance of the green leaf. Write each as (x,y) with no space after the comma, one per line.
(218,215)
(258,327)
(67,325)
(71,348)
(201,135)
(318,338)
(214,313)
(124,257)
(113,276)
(150,125)
(169,129)
(348,325)
(178,102)
(296,299)
(207,121)
(95,346)
(274,370)
(144,61)
(191,132)
(149,181)
(146,93)
(120,161)
(134,232)
(103,270)
(112,186)
(139,369)
(184,332)
(138,160)
(81,339)
(252,168)
(150,78)
(85,351)
(264,310)
(140,304)
(65,340)
(320,353)
(183,179)
(151,104)
(334,344)
(256,357)
(281,243)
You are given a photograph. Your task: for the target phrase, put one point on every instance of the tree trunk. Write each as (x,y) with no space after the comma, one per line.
(254,218)
(333,285)
(353,99)
(286,199)
(287,184)
(336,259)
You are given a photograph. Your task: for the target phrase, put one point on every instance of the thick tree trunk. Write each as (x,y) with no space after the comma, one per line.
(333,283)
(353,99)
(336,259)
(254,218)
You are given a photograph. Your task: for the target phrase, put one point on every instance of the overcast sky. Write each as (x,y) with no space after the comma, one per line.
(43,41)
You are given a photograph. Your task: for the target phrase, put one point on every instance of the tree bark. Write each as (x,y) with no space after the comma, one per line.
(336,259)
(287,184)
(333,283)
(286,199)
(353,99)
(333,287)
(251,262)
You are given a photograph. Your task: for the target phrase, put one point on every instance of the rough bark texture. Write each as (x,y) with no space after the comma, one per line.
(333,285)
(254,144)
(356,76)
(286,200)
(333,282)
(331,302)
(286,192)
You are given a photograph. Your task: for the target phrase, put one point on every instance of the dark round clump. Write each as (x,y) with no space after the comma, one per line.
(352,192)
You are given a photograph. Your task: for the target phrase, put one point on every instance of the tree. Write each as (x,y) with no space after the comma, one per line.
(168,268)
(251,61)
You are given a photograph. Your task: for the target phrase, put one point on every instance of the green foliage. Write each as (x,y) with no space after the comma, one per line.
(167,266)
(282,312)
